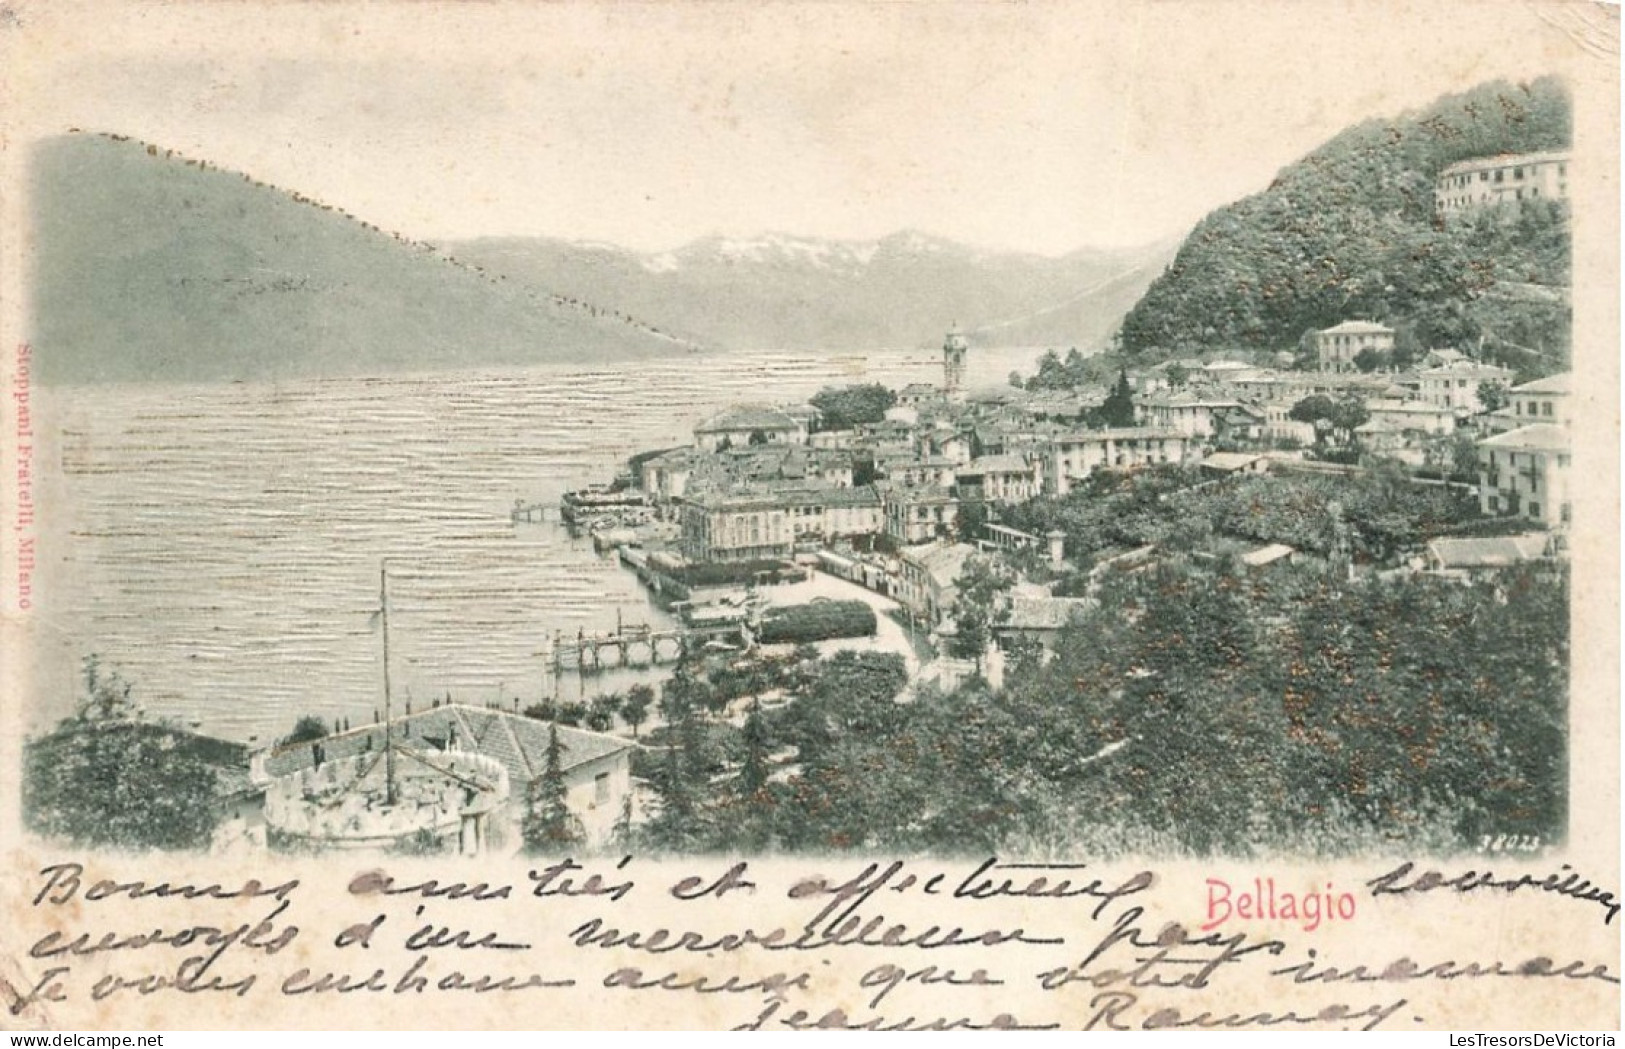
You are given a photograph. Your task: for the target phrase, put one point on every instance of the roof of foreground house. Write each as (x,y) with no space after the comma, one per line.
(1044,613)
(1357,328)
(1541,437)
(1491,552)
(746,417)
(519,742)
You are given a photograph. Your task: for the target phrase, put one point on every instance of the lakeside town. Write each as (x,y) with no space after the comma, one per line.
(909,485)
(1309,597)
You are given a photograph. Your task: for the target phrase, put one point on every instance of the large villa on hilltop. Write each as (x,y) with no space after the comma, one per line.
(1511,178)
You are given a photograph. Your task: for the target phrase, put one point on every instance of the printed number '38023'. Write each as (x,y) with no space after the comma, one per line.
(1509,843)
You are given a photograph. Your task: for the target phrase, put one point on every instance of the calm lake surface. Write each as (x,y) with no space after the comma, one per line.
(220,545)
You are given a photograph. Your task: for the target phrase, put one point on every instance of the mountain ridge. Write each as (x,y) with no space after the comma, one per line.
(779,290)
(150,266)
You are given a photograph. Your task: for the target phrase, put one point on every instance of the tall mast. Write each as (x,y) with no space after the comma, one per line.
(389,746)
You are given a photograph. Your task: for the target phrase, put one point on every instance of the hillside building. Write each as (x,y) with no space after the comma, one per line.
(1510,179)
(1192,414)
(747,424)
(1525,473)
(1547,400)
(1411,416)
(767,521)
(913,469)
(1039,619)
(665,476)
(919,394)
(920,515)
(928,583)
(1233,464)
(719,526)
(1280,426)
(1336,347)
(1468,558)
(1454,386)
(1072,457)
(1005,479)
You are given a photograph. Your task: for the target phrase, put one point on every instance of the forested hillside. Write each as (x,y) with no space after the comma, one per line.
(1351,231)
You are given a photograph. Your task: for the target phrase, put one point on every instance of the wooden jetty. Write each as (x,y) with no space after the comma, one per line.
(532,513)
(636,645)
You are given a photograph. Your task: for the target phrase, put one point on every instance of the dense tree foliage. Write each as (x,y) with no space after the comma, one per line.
(980,604)
(1118,408)
(1053,373)
(843,407)
(1370,516)
(1351,231)
(713,780)
(107,778)
(1076,369)
(571,713)
(602,712)
(1341,417)
(1493,395)
(306,730)
(635,706)
(973,518)
(1193,713)
(1370,360)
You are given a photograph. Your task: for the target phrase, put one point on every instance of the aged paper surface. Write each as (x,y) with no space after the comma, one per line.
(230,486)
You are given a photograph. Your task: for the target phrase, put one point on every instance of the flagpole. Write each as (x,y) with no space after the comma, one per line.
(389,746)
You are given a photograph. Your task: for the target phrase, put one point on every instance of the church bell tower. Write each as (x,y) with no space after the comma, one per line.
(953,364)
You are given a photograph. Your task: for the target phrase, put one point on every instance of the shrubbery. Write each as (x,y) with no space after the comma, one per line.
(818,621)
(104,778)
(1379,514)
(844,407)
(737,573)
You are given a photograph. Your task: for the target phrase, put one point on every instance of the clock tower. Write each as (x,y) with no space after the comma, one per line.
(953,364)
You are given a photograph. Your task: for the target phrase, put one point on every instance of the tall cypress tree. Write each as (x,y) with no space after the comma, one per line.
(753,776)
(548,824)
(1118,409)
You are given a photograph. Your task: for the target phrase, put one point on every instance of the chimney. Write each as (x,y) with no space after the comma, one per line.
(1057,548)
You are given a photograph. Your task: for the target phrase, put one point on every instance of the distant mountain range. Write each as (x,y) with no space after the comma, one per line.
(152,266)
(149,266)
(779,291)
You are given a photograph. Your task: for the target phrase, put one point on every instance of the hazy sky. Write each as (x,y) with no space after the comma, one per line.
(1041,127)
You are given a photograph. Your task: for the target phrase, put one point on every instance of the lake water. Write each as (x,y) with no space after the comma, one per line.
(220,545)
